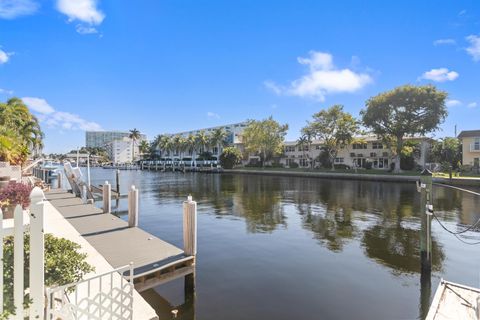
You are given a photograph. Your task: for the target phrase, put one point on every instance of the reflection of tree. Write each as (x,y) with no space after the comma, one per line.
(398,248)
(256,200)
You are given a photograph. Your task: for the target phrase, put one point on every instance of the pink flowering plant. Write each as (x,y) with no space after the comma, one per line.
(15,193)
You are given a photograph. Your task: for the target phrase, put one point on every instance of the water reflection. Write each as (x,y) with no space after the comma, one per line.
(325,229)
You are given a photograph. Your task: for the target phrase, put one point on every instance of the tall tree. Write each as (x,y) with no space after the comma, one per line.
(20,132)
(264,138)
(134,135)
(335,129)
(202,141)
(448,152)
(219,139)
(144,148)
(405,111)
(303,143)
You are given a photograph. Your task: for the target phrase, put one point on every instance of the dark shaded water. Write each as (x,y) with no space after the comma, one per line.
(296,248)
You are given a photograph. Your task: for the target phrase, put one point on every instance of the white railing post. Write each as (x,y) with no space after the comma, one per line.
(133,207)
(190,227)
(18,262)
(37,258)
(84,193)
(1,260)
(107,198)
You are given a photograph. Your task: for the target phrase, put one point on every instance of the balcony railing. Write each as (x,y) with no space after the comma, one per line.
(475,147)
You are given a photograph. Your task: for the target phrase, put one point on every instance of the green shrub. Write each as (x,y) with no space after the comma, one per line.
(64,264)
(230,157)
(341,166)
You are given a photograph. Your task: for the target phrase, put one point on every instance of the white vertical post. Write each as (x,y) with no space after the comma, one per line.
(88,172)
(84,193)
(37,258)
(107,198)
(1,260)
(18,262)
(190,227)
(133,207)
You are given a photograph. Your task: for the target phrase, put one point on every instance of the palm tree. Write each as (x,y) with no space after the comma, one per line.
(134,135)
(219,139)
(301,143)
(20,131)
(143,147)
(202,140)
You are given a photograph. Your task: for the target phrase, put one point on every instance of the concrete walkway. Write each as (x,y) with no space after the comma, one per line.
(56,224)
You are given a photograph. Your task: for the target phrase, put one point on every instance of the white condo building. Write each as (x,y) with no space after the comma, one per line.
(123,150)
(99,139)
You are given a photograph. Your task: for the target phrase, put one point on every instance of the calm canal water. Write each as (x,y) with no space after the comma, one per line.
(297,248)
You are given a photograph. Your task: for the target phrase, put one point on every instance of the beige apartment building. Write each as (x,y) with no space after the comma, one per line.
(470,148)
(367,149)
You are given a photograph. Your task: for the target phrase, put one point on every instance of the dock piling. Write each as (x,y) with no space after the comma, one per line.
(133,207)
(59,180)
(117,182)
(426,221)
(107,197)
(190,227)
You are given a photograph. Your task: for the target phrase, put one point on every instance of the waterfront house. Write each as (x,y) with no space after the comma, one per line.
(470,140)
(365,149)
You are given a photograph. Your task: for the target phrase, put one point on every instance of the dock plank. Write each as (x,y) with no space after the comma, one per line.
(112,237)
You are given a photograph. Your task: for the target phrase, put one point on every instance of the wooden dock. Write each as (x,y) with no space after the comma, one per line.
(455,301)
(155,261)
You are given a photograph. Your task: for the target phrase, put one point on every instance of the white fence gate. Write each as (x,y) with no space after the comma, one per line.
(26,221)
(105,296)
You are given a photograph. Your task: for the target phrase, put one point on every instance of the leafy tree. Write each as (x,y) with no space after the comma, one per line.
(448,151)
(203,141)
(303,142)
(404,111)
(20,132)
(335,128)
(264,138)
(64,264)
(134,135)
(230,157)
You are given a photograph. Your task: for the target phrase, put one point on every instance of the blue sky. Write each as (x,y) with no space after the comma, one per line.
(167,66)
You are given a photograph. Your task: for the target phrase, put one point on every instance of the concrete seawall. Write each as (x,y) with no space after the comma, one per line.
(472,182)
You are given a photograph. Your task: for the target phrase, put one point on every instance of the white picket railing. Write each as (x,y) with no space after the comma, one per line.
(24,221)
(105,296)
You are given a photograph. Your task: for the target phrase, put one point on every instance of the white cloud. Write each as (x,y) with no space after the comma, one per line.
(5,91)
(474,48)
(4,56)
(472,105)
(85,11)
(82,10)
(85,29)
(38,105)
(213,115)
(441,42)
(440,75)
(453,103)
(10,9)
(59,119)
(323,78)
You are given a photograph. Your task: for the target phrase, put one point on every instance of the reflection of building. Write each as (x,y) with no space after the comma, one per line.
(100,139)
(470,147)
(366,149)
(122,150)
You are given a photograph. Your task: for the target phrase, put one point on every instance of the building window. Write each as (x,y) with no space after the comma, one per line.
(359,146)
(317,147)
(339,160)
(289,149)
(476,144)
(377,145)
(373,154)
